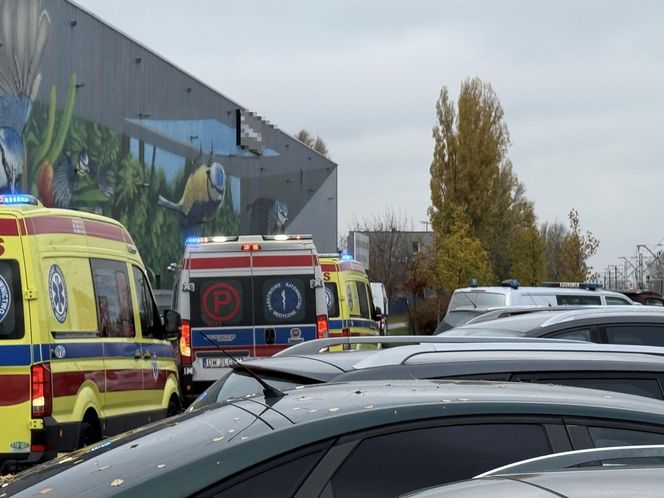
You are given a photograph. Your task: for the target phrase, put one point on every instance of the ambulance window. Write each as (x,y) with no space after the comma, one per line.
(363,299)
(115,313)
(285,299)
(11,302)
(147,309)
(332,299)
(218,302)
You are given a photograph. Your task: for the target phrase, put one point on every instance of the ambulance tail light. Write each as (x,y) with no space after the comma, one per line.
(185,343)
(322,329)
(42,395)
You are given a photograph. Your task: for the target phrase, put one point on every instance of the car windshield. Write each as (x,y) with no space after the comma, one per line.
(482,332)
(476,298)
(239,384)
(512,326)
(455,318)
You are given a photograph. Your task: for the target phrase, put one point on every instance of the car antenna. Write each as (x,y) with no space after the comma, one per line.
(271,393)
(465,294)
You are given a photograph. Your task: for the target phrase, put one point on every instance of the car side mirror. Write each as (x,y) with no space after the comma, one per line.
(378,313)
(172,323)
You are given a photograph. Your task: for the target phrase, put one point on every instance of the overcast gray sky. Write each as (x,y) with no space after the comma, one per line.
(581,84)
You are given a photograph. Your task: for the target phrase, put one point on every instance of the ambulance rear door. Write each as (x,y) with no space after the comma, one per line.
(221,308)
(286,278)
(17,353)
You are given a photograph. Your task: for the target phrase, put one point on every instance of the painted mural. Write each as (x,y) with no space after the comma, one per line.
(81,165)
(164,178)
(71,163)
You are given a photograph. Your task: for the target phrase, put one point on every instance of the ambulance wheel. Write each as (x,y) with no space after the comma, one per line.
(89,433)
(174,407)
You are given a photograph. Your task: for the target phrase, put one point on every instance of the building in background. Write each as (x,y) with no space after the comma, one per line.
(92,120)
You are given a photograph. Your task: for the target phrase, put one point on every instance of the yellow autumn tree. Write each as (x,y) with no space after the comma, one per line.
(470,169)
(459,256)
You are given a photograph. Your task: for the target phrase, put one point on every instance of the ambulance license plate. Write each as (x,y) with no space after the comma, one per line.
(219,362)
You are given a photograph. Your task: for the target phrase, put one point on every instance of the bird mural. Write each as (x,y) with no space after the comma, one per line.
(23,32)
(75,166)
(268,216)
(203,194)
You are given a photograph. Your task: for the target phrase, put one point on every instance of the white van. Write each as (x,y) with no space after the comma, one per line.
(250,296)
(469,302)
(510,293)
(381,302)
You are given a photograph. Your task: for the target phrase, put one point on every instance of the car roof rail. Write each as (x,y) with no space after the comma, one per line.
(323,345)
(565,460)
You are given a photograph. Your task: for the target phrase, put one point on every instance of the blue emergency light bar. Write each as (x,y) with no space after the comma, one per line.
(14,199)
(189,241)
(342,256)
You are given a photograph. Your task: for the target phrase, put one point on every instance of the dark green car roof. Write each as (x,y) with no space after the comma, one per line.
(181,455)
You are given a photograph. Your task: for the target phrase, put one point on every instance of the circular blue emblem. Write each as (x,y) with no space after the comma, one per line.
(284,300)
(5,298)
(349,295)
(57,291)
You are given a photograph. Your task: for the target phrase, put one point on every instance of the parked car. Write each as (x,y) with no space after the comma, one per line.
(630,369)
(608,472)
(469,302)
(642,325)
(647,297)
(463,315)
(356,439)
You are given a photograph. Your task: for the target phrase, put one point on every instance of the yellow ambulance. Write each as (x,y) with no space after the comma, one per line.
(348,295)
(84,353)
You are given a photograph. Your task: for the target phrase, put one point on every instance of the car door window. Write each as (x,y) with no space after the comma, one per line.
(147,308)
(574,334)
(112,294)
(537,299)
(611,300)
(637,386)
(647,335)
(611,436)
(391,464)
(564,300)
(279,477)
(363,299)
